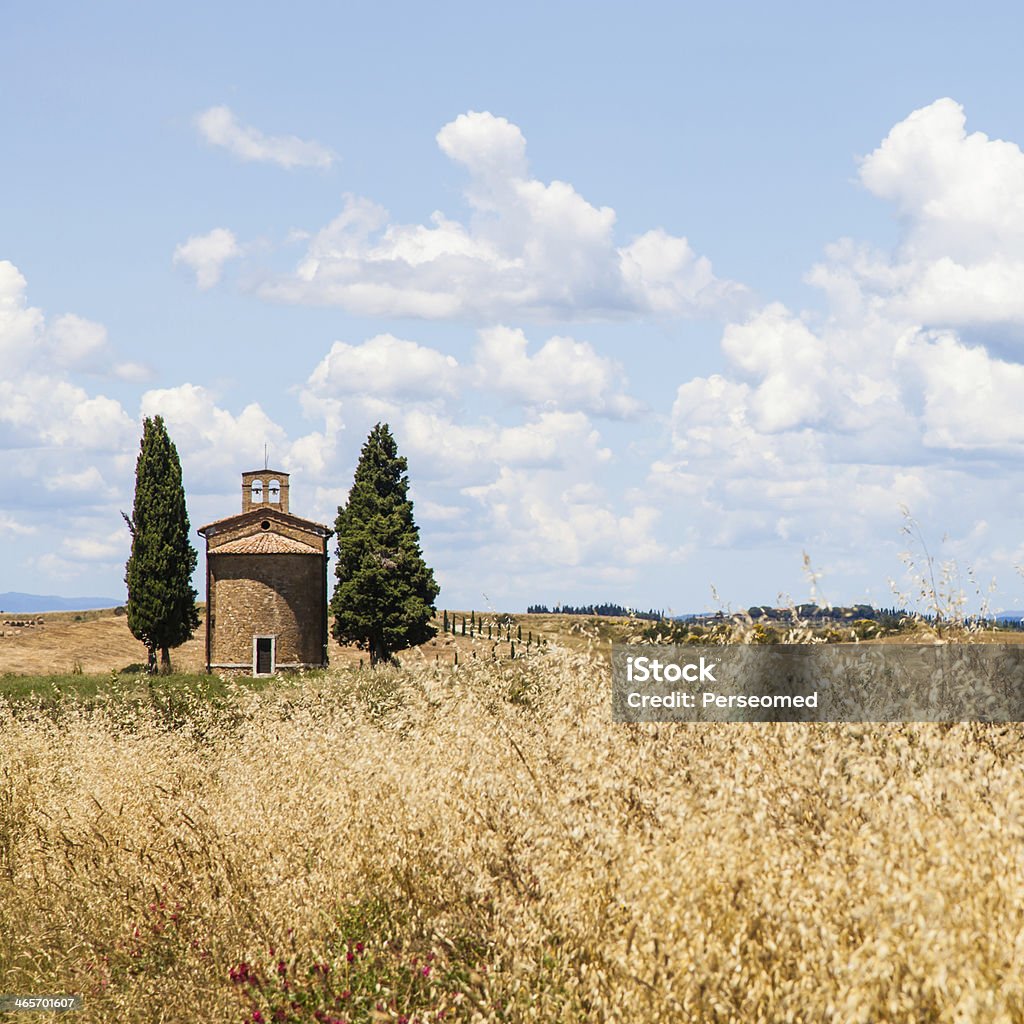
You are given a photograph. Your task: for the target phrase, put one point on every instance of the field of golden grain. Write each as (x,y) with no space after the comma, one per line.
(484,844)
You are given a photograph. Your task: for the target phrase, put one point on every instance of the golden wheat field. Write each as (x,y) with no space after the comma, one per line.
(482,843)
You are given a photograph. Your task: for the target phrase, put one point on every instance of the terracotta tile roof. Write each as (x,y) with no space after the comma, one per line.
(263,512)
(265,544)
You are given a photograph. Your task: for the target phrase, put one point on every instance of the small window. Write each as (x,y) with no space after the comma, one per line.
(275,492)
(265,525)
(257,492)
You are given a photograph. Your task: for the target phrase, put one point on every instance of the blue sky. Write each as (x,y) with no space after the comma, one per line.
(656,299)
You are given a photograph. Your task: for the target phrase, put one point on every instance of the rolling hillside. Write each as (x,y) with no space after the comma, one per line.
(99,641)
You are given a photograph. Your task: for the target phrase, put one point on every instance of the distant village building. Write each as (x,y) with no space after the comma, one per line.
(266,583)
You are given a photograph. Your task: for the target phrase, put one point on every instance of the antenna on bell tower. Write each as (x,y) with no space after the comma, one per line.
(265,458)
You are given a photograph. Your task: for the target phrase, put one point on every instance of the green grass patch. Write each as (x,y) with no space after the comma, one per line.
(64,686)
(133,682)
(174,700)
(203,705)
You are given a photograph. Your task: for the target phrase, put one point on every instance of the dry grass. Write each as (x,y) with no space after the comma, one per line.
(100,642)
(484,844)
(94,641)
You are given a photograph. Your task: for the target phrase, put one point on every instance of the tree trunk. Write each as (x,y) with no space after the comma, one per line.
(379,654)
(165,661)
(151,660)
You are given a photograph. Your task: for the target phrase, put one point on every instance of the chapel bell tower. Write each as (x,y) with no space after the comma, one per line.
(265,489)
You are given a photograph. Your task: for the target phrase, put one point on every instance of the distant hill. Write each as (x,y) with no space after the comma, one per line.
(21,603)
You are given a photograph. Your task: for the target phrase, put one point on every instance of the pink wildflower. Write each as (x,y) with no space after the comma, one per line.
(240,973)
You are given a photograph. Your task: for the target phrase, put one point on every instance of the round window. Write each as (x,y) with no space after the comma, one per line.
(265,525)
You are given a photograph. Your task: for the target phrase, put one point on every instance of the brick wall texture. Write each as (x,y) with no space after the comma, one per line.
(267,595)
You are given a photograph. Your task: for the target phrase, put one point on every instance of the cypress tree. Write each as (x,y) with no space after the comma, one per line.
(384,596)
(161,599)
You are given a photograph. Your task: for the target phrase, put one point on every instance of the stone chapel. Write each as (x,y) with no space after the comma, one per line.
(266,584)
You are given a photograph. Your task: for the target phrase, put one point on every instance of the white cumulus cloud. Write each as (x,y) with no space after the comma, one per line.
(385,366)
(11,526)
(220,127)
(490,147)
(211,440)
(972,400)
(77,340)
(207,254)
(113,546)
(960,199)
(529,249)
(20,324)
(822,425)
(787,361)
(562,374)
(65,447)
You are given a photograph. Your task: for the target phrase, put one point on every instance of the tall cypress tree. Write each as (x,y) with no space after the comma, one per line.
(161,598)
(384,597)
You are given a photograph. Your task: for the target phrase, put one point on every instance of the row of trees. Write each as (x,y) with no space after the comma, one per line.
(595,609)
(497,629)
(384,595)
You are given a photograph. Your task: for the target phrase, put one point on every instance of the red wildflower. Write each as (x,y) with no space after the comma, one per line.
(241,974)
